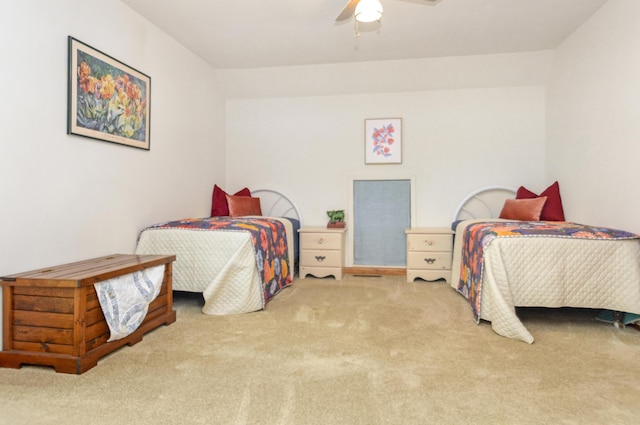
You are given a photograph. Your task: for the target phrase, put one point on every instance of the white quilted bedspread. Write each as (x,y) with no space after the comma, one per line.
(220,264)
(553,272)
(210,262)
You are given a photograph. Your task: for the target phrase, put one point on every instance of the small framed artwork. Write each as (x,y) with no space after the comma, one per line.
(107,100)
(383,141)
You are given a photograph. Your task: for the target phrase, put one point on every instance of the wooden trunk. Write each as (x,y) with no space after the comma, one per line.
(52,316)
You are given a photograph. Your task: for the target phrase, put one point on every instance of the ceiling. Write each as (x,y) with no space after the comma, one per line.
(252,33)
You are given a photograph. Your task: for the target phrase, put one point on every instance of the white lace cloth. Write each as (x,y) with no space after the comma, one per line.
(125,299)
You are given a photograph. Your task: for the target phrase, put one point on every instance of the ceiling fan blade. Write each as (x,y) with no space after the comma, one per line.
(348,11)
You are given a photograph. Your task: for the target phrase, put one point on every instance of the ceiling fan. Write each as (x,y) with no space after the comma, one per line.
(369,10)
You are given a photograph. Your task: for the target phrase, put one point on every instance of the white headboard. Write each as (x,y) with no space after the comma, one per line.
(276,204)
(486,202)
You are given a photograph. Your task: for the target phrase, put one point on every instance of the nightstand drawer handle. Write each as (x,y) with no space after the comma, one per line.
(320,241)
(320,258)
(430,260)
(428,242)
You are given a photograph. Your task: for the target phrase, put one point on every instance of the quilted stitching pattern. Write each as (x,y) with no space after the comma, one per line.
(553,272)
(557,272)
(221,265)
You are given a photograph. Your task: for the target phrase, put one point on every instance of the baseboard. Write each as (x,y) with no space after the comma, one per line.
(375,271)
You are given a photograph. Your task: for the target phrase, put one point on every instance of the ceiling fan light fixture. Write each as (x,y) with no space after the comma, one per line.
(368,11)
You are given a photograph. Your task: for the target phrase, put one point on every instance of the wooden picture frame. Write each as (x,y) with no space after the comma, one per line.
(383,141)
(107,100)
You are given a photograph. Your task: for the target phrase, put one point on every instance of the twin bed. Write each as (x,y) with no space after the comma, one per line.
(238,263)
(501,264)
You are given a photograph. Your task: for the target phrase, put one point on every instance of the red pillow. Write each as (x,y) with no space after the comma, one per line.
(240,206)
(552,210)
(523,209)
(219,205)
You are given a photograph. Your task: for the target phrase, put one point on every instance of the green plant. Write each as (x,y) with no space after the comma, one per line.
(336,216)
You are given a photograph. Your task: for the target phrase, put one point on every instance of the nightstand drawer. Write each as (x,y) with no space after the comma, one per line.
(320,258)
(429,242)
(429,260)
(321,241)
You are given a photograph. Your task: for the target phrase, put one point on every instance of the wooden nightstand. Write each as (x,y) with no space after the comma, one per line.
(429,253)
(321,252)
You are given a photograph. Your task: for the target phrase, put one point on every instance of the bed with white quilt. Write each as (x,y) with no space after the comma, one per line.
(529,260)
(239,260)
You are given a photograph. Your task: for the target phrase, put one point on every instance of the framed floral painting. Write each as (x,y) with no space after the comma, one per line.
(383,141)
(107,100)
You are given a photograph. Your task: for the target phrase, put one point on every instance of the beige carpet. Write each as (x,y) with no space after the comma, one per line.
(357,351)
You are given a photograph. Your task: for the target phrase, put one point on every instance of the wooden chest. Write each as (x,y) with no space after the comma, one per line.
(52,316)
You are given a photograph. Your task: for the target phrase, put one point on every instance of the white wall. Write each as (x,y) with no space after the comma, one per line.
(454,141)
(395,76)
(593,114)
(67,198)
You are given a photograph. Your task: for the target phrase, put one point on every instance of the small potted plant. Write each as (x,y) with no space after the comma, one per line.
(336,219)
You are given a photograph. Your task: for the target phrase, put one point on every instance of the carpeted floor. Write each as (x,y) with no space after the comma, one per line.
(357,351)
